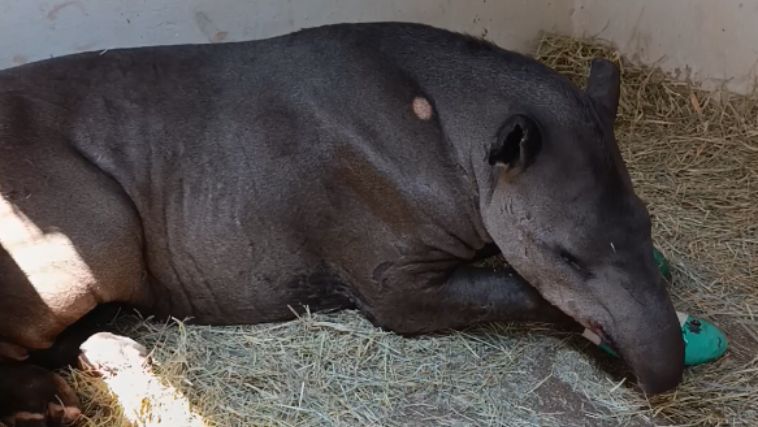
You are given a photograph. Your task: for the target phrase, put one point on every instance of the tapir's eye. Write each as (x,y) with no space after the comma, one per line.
(572,261)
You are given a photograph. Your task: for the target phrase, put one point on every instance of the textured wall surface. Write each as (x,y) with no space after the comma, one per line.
(710,41)
(35,29)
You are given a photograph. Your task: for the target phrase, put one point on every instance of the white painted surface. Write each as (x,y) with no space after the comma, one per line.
(715,40)
(711,41)
(35,29)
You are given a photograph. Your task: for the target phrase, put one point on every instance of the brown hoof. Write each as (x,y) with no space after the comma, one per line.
(33,396)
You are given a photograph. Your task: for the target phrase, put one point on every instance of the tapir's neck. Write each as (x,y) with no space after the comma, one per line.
(474,87)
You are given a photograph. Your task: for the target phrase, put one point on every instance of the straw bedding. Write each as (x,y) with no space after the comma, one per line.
(693,156)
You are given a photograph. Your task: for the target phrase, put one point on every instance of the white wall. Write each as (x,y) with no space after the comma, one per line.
(711,41)
(35,29)
(714,40)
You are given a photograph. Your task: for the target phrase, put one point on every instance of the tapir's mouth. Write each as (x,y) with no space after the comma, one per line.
(597,328)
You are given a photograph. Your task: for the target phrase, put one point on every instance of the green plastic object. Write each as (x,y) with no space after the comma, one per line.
(663,265)
(605,347)
(703,341)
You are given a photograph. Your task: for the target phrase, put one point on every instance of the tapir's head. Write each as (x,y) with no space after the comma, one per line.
(562,210)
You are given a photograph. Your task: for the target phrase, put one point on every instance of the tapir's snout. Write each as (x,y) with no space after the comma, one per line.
(646,332)
(653,347)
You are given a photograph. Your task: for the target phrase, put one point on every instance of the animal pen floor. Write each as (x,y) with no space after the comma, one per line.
(693,156)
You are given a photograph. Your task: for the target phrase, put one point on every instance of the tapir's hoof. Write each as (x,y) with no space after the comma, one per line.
(33,396)
(56,416)
(108,354)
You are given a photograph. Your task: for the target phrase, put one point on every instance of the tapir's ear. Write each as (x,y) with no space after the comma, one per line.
(603,86)
(518,143)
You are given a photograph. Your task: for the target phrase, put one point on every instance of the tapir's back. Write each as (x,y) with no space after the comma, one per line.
(258,170)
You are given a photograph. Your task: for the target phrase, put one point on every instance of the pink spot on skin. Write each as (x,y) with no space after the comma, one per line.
(422,108)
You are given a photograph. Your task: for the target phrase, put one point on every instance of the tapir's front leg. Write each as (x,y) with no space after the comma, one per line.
(470,295)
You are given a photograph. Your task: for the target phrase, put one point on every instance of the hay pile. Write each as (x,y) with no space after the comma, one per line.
(694,158)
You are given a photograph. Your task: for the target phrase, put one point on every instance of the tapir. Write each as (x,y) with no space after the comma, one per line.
(367,166)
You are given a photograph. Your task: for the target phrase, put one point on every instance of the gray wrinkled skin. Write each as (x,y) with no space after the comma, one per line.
(228,182)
